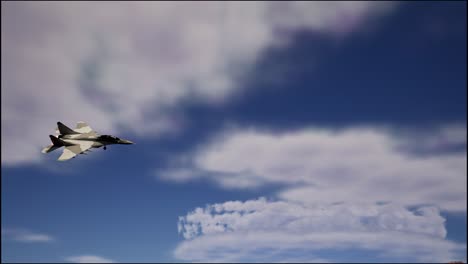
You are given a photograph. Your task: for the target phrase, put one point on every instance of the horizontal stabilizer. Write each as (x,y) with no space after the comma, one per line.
(50,148)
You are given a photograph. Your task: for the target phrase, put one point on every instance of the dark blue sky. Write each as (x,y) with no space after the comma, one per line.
(408,70)
(401,73)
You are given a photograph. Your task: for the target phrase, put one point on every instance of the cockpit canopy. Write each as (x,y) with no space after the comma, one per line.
(108,138)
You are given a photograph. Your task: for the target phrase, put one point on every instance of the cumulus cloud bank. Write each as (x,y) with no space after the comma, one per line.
(129,64)
(261,230)
(317,165)
(374,191)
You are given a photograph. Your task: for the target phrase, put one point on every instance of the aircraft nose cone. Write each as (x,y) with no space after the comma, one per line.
(124,141)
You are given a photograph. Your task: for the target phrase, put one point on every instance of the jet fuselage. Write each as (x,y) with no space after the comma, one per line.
(79,140)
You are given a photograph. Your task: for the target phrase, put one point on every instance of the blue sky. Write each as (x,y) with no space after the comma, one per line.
(265,131)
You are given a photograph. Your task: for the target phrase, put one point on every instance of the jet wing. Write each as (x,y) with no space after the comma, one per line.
(82,127)
(71,151)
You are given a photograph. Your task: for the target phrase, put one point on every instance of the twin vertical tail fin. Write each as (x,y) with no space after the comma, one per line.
(56,143)
(64,130)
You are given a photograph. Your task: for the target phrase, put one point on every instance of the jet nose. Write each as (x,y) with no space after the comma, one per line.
(127,142)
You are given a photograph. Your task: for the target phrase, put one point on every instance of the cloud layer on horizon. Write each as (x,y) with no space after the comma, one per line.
(89,259)
(261,230)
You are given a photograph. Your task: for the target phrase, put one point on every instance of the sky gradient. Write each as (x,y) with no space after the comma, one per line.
(265,131)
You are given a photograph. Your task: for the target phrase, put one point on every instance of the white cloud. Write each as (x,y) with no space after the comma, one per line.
(22,235)
(261,215)
(261,230)
(344,190)
(89,259)
(316,165)
(128,61)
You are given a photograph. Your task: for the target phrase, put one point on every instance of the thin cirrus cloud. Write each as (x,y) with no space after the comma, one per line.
(89,259)
(131,63)
(358,164)
(26,236)
(261,230)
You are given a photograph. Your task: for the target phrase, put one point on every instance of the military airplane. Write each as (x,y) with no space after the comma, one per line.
(79,140)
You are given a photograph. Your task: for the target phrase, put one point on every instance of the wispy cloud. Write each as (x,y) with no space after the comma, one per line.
(132,69)
(22,235)
(89,259)
(261,230)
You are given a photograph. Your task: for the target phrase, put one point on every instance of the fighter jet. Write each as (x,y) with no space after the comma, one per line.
(79,140)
